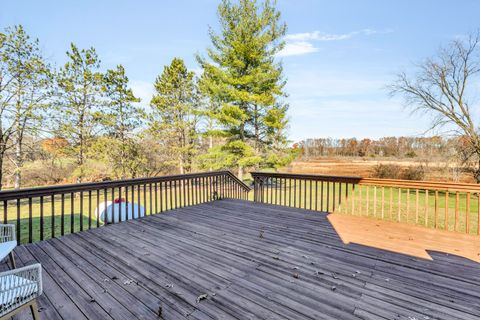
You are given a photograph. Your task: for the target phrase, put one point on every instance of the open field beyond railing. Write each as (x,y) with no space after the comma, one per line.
(448,206)
(46,212)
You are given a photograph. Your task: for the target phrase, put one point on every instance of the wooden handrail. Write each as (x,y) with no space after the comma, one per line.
(77,187)
(314,177)
(413,184)
(416,184)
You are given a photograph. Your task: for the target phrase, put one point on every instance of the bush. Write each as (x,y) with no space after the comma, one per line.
(386,171)
(92,171)
(413,173)
(410,154)
(40,173)
(394,171)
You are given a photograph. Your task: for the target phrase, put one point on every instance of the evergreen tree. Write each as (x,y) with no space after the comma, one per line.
(122,118)
(175,113)
(242,74)
(25,81)
(80,106)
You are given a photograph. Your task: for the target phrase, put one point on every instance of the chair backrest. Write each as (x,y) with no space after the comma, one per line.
(7,233)
(20,286)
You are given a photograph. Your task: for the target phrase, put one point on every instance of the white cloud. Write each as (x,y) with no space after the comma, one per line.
(301,43)
(297,48)
(143,90)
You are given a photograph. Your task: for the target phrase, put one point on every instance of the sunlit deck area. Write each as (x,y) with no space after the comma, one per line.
(235,259)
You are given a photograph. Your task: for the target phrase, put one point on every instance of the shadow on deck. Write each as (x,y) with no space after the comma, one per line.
(234,259)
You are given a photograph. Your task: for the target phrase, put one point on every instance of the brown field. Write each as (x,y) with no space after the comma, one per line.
(363,167)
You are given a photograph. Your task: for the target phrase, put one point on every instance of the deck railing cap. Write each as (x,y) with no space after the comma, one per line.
(91,186)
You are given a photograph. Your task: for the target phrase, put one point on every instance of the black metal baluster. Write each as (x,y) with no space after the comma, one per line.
(18,221)
(62,213)
(145,207)
(190,183)
(72,213)
(53,215)
(5,211)
(120,203)
(185,191)
(139,203)
(41,218)
(339,194)
(171,198)
(89,209)
(81,210)
(204,191)
(30,221)
(98,208)
(196,190)
(161,196)
(294,193)
(151,202)
(105,212)
(127,204)
(177,193)
(156,197)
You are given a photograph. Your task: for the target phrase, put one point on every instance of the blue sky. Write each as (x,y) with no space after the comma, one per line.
(340,55)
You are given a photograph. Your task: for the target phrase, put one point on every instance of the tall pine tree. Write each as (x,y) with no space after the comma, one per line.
(80,106)
(122,117)
(175,113)
(241,73)
(25,86)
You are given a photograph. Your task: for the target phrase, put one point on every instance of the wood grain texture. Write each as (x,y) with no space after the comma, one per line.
(254,261)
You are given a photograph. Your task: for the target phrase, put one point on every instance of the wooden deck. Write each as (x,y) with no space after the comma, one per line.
(249,261)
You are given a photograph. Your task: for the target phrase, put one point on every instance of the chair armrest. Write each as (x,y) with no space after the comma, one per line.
(18,278)
(7,232)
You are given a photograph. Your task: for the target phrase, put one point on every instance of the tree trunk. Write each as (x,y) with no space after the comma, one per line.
(2,155)
(257,129)
(210,146)
(182,168)
(18,164)
(81,140)
(240,173)
(18,148)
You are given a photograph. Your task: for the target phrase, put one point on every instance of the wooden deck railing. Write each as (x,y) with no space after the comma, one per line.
(441,205)
(46,212)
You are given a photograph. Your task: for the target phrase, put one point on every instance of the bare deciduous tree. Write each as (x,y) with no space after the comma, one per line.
(443,87)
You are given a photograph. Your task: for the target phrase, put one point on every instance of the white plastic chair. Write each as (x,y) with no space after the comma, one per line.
(19,289)
(8,242)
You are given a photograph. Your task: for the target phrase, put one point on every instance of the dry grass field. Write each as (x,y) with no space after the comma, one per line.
(363,167)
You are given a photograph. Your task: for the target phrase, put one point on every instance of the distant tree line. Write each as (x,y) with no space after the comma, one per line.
(80,122)
(435,147)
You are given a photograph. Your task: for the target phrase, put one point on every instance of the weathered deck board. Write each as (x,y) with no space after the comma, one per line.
(253,261)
